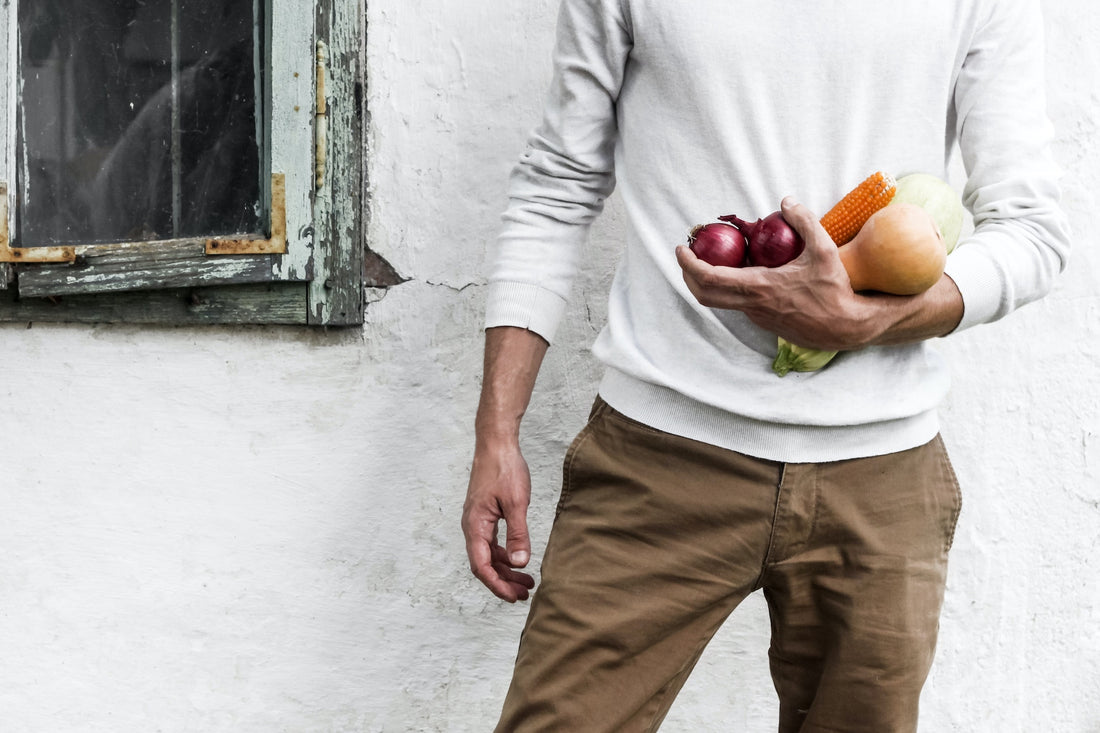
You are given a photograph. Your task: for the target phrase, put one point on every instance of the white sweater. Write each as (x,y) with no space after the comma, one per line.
(710,107)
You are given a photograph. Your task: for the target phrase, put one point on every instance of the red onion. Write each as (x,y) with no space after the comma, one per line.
(772,241)
(719,244)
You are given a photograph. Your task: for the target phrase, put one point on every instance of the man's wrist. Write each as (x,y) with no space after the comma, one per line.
(496,430)
(875,315)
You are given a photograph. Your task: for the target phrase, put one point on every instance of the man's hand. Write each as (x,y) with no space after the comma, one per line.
(809,301)
(500,489)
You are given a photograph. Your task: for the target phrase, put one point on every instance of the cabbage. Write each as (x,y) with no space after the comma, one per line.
(938,198)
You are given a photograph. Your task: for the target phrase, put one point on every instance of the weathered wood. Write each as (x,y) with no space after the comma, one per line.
(336,293)
(272,303)
(142,266)
(325,228)
(290,132)
(7,137)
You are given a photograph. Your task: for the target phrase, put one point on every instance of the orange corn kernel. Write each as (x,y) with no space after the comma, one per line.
(844,220)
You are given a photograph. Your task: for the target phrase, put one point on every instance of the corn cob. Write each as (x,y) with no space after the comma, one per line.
(844,220)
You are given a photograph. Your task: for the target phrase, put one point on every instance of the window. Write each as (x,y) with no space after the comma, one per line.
(183,161)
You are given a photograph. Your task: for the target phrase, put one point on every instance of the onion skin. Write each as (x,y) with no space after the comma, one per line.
(772,241)
(718,244)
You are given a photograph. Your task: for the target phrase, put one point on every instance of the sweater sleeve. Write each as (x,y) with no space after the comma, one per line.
(1021,239)
(565,174)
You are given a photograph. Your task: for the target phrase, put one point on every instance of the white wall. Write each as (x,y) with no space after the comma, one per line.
(253,530)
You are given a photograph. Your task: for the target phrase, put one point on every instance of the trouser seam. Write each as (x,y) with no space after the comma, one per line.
(945,459)
(567,470)
(598,406)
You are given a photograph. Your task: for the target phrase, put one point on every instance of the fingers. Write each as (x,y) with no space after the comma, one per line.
(493,564)
(717,287)
(703,270)
(489,562)
(692,267)
(518,584)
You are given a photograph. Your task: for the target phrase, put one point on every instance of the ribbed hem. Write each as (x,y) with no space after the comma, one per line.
(665,409)
(524,306)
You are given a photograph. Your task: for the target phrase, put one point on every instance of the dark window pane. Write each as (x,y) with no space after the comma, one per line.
(138,120)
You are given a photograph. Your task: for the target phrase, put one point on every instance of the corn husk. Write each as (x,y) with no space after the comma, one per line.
(792,358)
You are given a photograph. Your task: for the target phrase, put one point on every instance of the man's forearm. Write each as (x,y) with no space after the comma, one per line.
(908,319)
(513,357)
(500,482)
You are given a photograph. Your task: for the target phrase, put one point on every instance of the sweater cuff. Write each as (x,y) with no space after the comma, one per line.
(980,282)
(524,305)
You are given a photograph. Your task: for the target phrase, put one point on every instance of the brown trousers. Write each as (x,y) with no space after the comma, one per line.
(658,538)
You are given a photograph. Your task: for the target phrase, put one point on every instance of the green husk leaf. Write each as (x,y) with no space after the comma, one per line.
(792,358)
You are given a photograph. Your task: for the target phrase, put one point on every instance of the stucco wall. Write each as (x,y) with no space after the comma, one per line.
(252,530)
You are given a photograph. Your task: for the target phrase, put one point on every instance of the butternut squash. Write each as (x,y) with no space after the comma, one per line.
(900,250)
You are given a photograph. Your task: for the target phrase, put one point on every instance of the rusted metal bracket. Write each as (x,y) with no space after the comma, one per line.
(273,245)
(26,254)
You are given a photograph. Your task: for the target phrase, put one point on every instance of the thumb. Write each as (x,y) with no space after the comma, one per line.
(517,540)
(803,221)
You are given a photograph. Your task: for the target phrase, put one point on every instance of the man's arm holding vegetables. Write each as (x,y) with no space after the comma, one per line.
(810,300)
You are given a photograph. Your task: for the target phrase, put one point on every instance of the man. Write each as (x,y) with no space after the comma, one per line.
(701,476)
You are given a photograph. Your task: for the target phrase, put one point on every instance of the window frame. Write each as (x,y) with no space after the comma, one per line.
(315,149)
